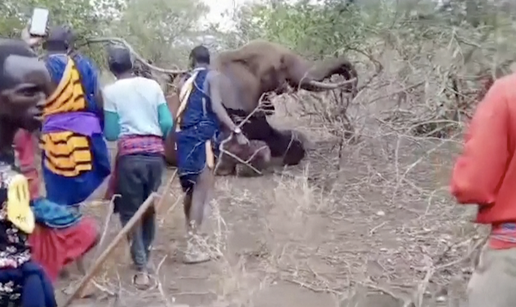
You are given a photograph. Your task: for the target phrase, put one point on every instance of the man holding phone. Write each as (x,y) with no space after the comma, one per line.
(75,155)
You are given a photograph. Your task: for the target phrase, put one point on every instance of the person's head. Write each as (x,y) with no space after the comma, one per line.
(120,61)
(24,86)
(200,55)
(59,39)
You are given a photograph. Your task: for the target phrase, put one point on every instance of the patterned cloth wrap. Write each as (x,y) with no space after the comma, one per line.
(46,212)
(75,158)
(134,144)
(197,129)
(22,281)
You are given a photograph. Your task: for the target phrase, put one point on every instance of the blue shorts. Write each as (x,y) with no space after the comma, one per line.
(191,152)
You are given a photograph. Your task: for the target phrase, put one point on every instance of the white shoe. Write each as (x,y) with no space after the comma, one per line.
(194,254)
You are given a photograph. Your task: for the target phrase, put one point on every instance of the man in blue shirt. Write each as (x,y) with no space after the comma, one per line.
(200,116)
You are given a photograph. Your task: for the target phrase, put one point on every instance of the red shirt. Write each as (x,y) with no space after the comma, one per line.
(485,172)
(25,149)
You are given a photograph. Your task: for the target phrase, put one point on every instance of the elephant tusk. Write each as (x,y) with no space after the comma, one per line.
(331,86)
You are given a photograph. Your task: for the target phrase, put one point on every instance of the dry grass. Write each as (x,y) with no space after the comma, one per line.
(376,227)
(366,221)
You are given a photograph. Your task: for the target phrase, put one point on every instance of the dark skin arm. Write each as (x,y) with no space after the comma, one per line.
(97,95)
(99,99)
(214,80)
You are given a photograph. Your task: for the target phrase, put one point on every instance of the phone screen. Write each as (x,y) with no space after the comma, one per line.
(38,23)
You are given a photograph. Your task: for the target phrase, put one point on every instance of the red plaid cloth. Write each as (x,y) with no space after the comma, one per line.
(133,144)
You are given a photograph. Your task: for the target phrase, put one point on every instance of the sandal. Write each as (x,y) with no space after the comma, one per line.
(142,280)
(194,254)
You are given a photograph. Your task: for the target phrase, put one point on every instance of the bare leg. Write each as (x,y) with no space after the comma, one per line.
(80,261)
(80,266)
(64,274)
(200,198)
(187,204)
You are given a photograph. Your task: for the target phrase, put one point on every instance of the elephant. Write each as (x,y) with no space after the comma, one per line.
(261,67)
(257,156)
(257,153)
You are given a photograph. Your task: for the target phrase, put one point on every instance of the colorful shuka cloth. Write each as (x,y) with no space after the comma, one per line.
(47,213)
(62,234)
(197,130)
(75,155)
(22,281)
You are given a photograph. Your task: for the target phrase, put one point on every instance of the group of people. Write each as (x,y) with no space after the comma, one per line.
(59,98)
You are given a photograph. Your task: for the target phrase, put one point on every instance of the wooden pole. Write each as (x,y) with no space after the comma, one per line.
(123,232)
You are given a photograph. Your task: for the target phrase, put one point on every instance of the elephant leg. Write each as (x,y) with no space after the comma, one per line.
(295,150)
(245,171)
(225,165)
(258,156)
(256,127)
(287,146)
(282,144)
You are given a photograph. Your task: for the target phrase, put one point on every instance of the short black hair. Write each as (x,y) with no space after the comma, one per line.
(200,55)
(59,38)
(119,60)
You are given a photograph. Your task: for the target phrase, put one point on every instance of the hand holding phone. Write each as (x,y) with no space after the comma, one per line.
(39,22)
(32,41)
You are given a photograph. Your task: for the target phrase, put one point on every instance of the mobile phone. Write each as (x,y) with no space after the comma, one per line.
(39,21)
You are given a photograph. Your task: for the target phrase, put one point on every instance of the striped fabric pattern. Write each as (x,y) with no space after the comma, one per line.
(504,233)
(134,144)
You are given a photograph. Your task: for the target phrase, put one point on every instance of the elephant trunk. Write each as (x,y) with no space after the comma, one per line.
(325,69)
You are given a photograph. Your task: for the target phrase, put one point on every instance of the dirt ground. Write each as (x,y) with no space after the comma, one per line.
(375,227)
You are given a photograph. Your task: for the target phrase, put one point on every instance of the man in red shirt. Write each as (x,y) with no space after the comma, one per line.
(485,175)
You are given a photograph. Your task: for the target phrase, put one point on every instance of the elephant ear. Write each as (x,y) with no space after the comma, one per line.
(247,57)
(251,63)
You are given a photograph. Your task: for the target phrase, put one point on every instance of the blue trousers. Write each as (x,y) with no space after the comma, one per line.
(138,176)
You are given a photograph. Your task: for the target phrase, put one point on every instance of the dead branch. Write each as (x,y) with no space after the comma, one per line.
(121,41)
(378,69)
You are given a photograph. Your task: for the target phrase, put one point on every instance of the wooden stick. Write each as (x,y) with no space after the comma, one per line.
(123,232)
(167,187)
